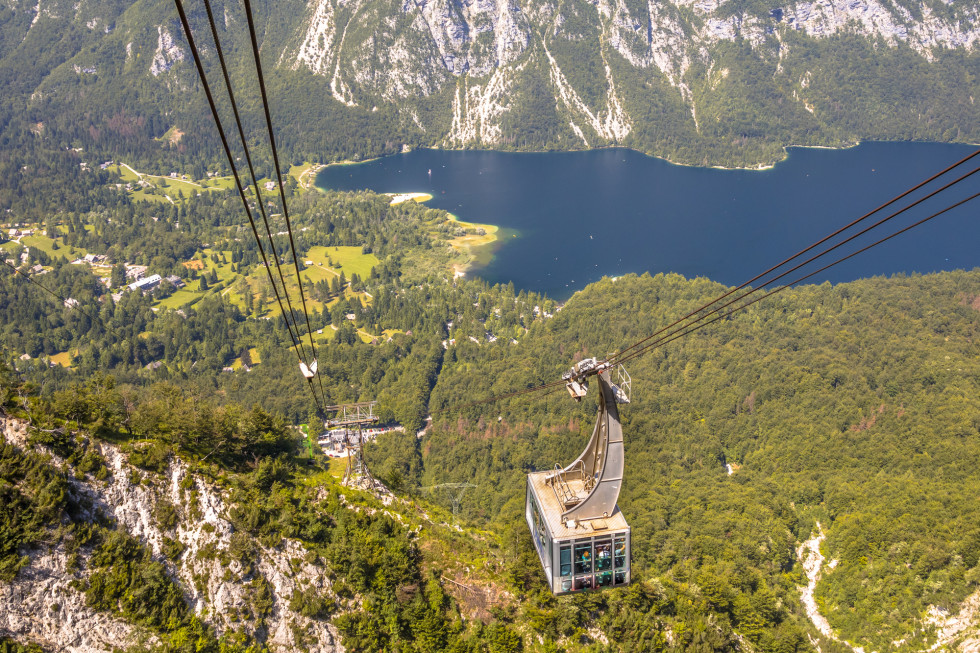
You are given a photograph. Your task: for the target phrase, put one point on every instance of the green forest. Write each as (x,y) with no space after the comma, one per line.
(852,406)
(849,412)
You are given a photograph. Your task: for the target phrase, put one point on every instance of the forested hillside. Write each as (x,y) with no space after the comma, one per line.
(848,413)
(160,485)
(854,407)
(850,410)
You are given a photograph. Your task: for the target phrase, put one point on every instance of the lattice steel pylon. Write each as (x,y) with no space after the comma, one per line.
(351,417)
(456,497)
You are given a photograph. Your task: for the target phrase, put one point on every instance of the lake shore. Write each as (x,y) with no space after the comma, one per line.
(585,215)
(477,247)
(477,243)
(398,198)
(760,167)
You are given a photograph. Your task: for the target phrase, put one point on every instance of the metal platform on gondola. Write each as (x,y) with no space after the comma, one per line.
(552,509)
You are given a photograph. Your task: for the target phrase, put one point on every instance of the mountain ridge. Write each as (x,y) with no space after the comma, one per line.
(725,83)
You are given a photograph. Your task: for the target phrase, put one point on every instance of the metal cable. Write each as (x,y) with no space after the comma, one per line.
(696,326)
(685,329)
(248,159)
(813,258)
(803,251)
(231,162)
(258,195)
(275,159)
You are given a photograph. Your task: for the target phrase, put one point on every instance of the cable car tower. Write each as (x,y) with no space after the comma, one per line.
(349,417)
(581,536)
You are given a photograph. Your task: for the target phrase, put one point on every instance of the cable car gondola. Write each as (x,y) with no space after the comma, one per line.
(582,538)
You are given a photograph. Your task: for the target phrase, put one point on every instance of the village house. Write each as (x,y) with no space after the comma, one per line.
(146,283)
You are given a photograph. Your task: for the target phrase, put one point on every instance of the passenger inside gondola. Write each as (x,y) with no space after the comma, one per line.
(583,558)
(603,555)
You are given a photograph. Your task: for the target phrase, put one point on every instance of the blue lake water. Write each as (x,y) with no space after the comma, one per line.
(578,216)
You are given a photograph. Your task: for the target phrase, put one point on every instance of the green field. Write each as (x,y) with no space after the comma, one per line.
(42,242)
(382,337)
(46,245)
(233,286)
(296,171)
(253,353)
(347,259)
(127,173)
(165,185)
(225,183)
(181,297)
(192,292)
(315,273)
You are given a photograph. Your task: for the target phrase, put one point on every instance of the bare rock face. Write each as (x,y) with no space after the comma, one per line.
(219,587)
(167,53)
(958,631)
(457,72)
(417,48)
(14,431)
(474,37)
(477,36)
(42,607)
(221,572)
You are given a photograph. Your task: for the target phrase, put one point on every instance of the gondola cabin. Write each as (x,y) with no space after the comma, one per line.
(590,554)
(582,538)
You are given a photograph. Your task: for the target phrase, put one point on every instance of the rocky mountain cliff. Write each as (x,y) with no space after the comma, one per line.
(183,521)
(729,82)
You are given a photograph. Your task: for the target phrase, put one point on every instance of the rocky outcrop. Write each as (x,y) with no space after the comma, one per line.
(219,571)
(318,42)
(960,630)
(953,631)
(419,49)
(611,122)
(893,22)
(167,53)
(477,110)
(42,606)
(458,70)
(476,37)
(218,584)
(812,560)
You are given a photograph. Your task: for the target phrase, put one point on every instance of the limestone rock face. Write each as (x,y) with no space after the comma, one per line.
(572,74)
(167,52)
(41,605)
(417,48)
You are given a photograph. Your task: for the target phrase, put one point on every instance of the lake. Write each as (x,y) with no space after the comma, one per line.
(574,217)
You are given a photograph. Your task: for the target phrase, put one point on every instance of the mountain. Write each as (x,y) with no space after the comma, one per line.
(697,82)
(800,476)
